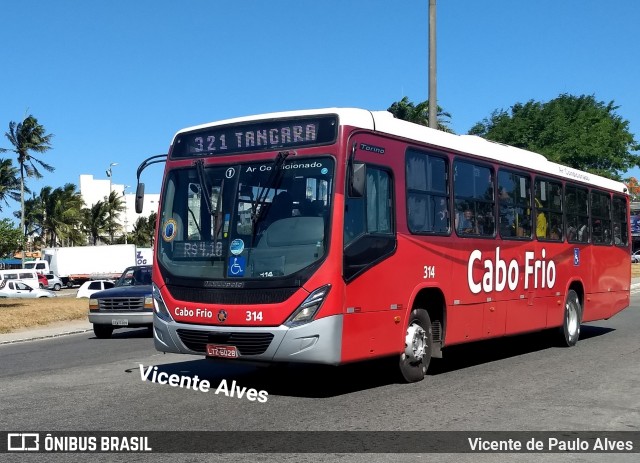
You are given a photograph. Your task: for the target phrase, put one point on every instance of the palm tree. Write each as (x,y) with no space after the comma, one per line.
(9,183)
(56,215)
(95,222)
(419,114)
(115,205)
(26,137)
(34,219)
(141,232)
(152,227)
(63,216)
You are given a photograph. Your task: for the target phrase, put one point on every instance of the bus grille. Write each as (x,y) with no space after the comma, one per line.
(247,343)
(231,296)
(120,304)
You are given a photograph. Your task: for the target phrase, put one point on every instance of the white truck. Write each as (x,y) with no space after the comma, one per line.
(75,265)
(144,256)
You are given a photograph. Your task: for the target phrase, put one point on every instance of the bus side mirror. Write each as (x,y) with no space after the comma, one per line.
(358,176)
(139,198)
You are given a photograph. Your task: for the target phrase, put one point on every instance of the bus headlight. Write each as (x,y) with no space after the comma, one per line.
(309,307)
(159,307)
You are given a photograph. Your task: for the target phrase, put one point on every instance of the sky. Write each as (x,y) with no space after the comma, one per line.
(115,80)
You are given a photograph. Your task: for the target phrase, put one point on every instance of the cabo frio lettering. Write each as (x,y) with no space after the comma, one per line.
(500,274)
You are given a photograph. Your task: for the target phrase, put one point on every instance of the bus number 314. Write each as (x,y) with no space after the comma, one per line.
(429,271)
(253,316)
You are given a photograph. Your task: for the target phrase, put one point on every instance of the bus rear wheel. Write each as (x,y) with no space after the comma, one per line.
(570,331)
(415,359)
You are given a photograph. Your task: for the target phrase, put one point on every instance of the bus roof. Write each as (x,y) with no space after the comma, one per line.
(385,122)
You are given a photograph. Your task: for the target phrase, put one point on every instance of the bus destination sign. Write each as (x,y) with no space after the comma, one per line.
(256,136)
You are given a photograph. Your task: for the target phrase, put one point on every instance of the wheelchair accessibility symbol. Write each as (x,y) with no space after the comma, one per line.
(236,266)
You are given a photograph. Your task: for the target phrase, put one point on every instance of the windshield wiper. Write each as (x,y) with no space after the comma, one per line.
(206,191)
(204,186)
(274,178)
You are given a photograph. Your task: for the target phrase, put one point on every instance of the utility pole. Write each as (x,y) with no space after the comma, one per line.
(433,100)
(109,174)
(126,222)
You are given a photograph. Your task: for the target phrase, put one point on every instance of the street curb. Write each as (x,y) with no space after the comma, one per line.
(47,336)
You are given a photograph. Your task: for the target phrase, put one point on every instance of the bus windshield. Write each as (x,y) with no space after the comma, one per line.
(245,221)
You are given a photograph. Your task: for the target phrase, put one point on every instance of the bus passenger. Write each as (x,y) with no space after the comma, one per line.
(466,221)
(541,223)
(441,220)
(507,213)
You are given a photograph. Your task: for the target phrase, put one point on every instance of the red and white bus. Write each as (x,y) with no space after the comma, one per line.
(338,235)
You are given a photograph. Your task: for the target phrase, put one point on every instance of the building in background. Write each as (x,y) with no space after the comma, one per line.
(93,190)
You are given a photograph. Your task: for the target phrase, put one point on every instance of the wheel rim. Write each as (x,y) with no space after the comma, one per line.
(572,320)
(415,343)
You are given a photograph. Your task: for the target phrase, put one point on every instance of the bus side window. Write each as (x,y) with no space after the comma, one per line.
(620,221)
(576,199)
(427,192)
(548,209)
(474,199)
(514,204)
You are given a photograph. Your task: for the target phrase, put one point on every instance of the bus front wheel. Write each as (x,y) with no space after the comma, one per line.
(414,361)
(570,331)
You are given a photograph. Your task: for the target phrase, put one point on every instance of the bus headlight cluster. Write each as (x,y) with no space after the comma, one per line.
(309,307)
(159,307)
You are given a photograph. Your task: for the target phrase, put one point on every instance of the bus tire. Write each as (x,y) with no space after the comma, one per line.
(415,359)
(102,331)
(570,330)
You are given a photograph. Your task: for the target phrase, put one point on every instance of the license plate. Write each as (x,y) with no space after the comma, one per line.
(120,322)
(228,352)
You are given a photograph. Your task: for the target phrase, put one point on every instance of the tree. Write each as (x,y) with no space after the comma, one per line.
(10,238)
(115,205)
(62,215)
(140,236)
(576,131)
(418,114)
(55,215)
(9,182)
(633,187)
(95,222)
(34,219)
(26,137)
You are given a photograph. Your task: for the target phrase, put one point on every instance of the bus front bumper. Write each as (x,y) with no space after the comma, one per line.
(319,341)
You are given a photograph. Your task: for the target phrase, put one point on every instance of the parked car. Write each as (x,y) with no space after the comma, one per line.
(17,288)
(42,281)
(128,305)
(53,282)
(635,257)
(93,286)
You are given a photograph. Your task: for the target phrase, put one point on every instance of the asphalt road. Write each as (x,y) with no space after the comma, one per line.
(81,383)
